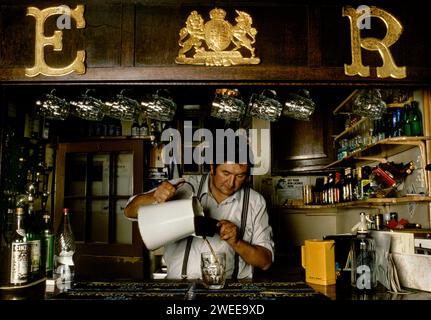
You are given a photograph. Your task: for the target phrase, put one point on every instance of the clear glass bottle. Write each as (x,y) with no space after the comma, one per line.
(64,250)
(19,252)
(363,250)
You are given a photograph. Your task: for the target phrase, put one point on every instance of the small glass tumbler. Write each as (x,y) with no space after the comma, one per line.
(213,269)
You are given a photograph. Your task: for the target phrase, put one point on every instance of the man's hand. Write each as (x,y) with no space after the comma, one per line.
(228,232)
(255,255)
(165,191)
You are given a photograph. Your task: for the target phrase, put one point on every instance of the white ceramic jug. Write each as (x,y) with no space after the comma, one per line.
(169,221)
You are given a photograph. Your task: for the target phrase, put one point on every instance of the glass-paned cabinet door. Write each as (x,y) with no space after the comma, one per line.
(124,174)
(95,179)
(99,174)
(123,234)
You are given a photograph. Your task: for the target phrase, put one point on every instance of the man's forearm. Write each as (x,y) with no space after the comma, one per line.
(255,255)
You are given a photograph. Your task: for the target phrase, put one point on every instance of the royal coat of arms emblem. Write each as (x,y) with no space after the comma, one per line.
(217,42)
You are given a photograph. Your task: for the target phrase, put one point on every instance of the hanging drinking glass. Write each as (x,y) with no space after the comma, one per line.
(53,107)
(88,107)
(369,103)
(228,105)
(299,107)
(265,106)
(160,106)
(122,107)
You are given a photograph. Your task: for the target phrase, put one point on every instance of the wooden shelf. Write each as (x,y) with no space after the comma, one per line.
(379,151)
(347,103)
(399,104)
(350,129)
(338,109)
(364,203)
(101,138)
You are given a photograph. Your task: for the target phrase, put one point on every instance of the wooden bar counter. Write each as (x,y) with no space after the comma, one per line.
(171,299)
(289,286)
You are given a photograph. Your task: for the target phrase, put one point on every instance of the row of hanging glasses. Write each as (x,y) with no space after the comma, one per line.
(227,105)
(158,106)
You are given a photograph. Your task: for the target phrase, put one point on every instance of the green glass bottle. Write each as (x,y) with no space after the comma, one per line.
(407,121)
(48,244)
(34,240)
(416,119)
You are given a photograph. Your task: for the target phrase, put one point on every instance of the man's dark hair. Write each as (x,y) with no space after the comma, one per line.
(237,151)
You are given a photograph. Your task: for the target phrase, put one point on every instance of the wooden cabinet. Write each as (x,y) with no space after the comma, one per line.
(95,179)
(303,146)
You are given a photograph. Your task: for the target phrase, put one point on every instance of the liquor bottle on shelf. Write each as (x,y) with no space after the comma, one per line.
(64,250)
(48,244)
(318,191)
(347,185)
(407,120)
(330,189)
(397,123)
(34,241)
(416,119)
(338,187)
(325,192)
(19,251)
(357,184)
(45,129)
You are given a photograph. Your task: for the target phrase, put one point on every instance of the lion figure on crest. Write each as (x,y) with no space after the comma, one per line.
(243,31)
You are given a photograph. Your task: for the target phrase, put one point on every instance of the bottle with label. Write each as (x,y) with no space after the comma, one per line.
(64,250)
(48,244)
(363,254)
(20,251)
(34,241)
(347,185)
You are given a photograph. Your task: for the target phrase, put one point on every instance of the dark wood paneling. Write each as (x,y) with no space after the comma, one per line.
(156,35)
(306,145)
(120,267)
(281,34)
(334,38)
(103,35)
(138,41)
(17,37)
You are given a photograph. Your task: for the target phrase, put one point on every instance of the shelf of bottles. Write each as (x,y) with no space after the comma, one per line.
(398,130)
(363,203)
(27,243)
(361,187)
(363,176)
(380,150)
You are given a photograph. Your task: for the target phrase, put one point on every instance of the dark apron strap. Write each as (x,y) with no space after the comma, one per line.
(186,257)
(242,230)
(190,239)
